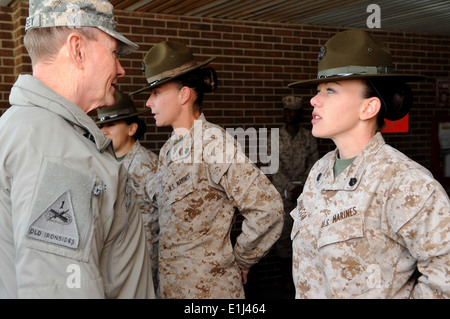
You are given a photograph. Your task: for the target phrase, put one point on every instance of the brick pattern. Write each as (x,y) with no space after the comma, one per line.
(255,62)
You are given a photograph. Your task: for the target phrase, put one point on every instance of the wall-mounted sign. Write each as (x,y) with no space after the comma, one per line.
(442,92)
(400,126)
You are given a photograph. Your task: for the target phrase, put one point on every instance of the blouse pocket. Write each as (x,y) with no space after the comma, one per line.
(179,189)
(341,227)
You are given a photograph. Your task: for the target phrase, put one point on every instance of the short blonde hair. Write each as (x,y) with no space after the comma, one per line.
(43,44)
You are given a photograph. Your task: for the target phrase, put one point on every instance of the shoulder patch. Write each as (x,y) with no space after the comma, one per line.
(57,224)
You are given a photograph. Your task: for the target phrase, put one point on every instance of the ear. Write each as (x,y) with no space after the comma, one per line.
(370,108)
(185,94)
(132,129)
(75,44)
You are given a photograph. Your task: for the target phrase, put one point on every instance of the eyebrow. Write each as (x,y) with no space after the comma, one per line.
(328,83)
(335,82)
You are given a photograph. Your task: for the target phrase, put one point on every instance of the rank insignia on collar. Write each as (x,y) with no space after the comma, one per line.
(57,224)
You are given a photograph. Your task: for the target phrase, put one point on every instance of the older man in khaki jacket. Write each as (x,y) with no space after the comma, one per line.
(70,228)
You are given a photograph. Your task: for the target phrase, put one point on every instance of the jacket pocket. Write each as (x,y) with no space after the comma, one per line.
(61,218)
(341,229)
(179,189)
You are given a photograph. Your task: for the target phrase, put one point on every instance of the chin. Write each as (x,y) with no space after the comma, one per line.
(318,134)
(315,133)
(109,101)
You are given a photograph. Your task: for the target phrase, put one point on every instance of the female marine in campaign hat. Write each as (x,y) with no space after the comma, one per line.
(370,223)
(201,185)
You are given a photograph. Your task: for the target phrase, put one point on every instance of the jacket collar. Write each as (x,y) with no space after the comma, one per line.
(180,150)
(131,155)
(30,91)
(350,178)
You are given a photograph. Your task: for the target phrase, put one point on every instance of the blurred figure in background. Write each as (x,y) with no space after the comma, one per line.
(297,154)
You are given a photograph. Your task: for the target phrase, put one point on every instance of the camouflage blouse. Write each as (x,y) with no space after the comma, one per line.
(381,229)
(204,179)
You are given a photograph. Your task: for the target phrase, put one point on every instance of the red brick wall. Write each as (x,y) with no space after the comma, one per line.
(6,56)
(255,62)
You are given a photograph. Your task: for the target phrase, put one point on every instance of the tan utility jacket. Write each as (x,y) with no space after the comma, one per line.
(380,229)
(205,178)
(69,226)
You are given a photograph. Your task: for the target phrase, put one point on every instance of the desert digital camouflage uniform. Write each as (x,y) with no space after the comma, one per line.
(364,233)
(200,190)
(296,157)
(142,165)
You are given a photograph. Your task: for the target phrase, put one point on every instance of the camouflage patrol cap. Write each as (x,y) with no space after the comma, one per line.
(292,102)
(81,13)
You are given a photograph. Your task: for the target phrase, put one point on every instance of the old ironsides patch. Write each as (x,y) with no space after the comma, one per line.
(57,224)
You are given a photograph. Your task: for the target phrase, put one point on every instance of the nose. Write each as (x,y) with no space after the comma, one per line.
(104,130)
(120,69)
(315,101)
(149,102)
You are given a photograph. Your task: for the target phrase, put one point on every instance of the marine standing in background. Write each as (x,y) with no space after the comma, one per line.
(297,154)
(121,124)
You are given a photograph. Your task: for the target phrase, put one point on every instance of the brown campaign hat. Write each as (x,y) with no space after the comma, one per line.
(122,109)
(166,61)
(354,54)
